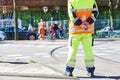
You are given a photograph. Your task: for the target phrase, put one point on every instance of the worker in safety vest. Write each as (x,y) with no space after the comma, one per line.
(82,14)
(41,29)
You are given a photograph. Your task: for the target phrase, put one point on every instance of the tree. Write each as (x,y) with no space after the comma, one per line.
(117,4)
(15,20)
(112,7)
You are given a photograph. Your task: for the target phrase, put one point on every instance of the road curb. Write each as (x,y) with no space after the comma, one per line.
(36,42)
(38,76)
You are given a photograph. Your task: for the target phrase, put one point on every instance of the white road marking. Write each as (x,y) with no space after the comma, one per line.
(39,70)
(99,54)
(94,54)
(118,53)
(38,46)
(19,56)
(40,53)
(83,54)
(107,51)
(14,55)
(47,56)
(63,52)
(80,54)
(23,57)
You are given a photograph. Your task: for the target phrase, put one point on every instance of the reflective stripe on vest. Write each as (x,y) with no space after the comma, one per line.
(88,9)
(73,30)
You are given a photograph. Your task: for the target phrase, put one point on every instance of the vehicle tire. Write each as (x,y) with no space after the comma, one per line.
(32,37)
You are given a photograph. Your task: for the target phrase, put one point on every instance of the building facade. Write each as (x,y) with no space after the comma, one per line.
(31,11)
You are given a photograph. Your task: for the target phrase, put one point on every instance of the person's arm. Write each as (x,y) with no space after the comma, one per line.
(94,15)
(44,24)
(72,15)
(38,27)
(70,9)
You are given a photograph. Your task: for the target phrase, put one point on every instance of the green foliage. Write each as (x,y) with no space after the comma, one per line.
(30,17)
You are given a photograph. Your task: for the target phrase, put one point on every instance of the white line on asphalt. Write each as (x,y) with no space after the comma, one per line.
(63,52)
(47,56)
(94,54)
(118,53)
(40,54)
(108,51)
(117,49)
(99,48)
(14,55)
(100,54)
(24,57)
(40,46)
(38,70)
(80,54)
(53,46)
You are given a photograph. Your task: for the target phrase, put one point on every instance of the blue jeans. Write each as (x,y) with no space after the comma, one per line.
(58,33)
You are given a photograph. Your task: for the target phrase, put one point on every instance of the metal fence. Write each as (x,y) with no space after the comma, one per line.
(64,24)
(100,24)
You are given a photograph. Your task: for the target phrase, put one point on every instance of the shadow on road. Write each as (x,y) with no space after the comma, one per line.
(107,77)
(16,62)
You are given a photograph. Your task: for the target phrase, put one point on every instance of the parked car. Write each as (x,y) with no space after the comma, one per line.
(22,34)
(3,36)
(105,29)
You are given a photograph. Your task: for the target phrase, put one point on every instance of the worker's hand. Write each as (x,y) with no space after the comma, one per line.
(86,23)
(84,26)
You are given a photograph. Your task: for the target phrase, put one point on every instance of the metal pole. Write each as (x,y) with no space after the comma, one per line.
(15,20)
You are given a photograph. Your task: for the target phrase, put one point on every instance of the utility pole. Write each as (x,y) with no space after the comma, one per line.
(15,20)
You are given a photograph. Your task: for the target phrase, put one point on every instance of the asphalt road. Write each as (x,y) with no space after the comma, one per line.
(52,56)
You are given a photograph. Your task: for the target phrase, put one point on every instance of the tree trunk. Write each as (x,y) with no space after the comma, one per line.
(111,13)
(15,20)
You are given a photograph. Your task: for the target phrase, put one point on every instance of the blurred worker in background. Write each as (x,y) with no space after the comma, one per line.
(41,29)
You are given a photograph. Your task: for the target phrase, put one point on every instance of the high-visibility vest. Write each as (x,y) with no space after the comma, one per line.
(82,10)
